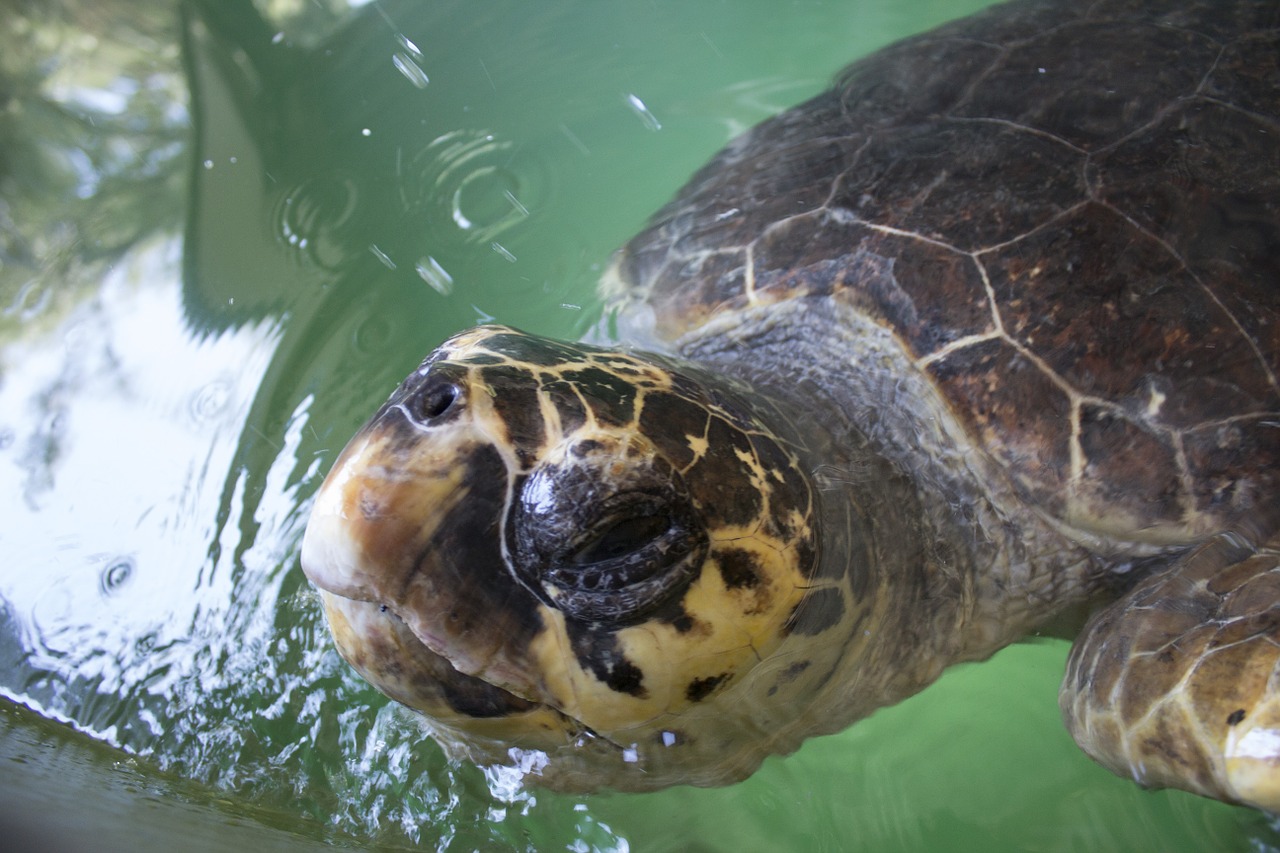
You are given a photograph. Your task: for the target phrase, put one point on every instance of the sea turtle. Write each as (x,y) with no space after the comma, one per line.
(986,334)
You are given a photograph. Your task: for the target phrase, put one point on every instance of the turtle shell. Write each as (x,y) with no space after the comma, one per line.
(1068,216)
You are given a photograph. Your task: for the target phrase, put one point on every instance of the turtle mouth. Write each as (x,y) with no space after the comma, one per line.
(388,653)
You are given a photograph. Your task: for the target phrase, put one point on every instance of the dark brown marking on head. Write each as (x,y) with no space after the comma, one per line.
(1235,717)
(515,400)
(789,491)
(809,564)
(484,600)
(669,421)
(721,481)
(740,569)
(528,349)
(701,688)
(598,652)
(612,399)
(673,613)
(568,404)
(820,610)
(792,672)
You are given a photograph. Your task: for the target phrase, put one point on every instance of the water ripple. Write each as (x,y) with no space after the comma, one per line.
(313,218)
(472,185)
(115,575)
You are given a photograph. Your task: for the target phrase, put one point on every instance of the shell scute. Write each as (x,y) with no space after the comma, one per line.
(1085,97)
(1129,470)
(1016,411)
(968,184)
(1108,309)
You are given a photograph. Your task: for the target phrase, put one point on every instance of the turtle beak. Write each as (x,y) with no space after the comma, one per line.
(333,559)
(409,521)
(380,504)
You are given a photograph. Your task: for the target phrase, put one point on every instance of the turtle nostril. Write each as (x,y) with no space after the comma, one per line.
(434,399)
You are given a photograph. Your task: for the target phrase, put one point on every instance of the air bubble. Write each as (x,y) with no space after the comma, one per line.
(411,70)
(430,271)
(409,46)
(481,197)
(382,257)
(648,118)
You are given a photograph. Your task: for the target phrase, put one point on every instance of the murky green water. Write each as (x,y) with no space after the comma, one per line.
(226,231)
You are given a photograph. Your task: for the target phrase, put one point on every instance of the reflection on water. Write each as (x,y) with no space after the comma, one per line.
(225,236)
(120,466)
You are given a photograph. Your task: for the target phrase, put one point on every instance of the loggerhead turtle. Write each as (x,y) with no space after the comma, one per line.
(987,333)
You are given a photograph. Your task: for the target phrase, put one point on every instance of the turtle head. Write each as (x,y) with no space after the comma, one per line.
(589,555)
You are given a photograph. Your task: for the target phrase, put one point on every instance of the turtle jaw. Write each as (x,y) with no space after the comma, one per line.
(470,714)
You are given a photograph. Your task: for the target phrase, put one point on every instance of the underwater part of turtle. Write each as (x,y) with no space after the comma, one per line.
(987,332)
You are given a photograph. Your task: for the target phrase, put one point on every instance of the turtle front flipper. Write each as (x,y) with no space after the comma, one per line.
(1178,683)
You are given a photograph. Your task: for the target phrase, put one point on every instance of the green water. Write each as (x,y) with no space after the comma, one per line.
(226,232)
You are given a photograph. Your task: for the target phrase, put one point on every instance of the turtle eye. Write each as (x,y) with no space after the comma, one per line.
(620,538)
(433,399)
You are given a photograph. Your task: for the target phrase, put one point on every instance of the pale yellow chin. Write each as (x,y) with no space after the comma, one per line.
(387,654)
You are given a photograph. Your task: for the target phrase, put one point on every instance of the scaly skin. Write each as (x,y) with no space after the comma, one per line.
(1178,683)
